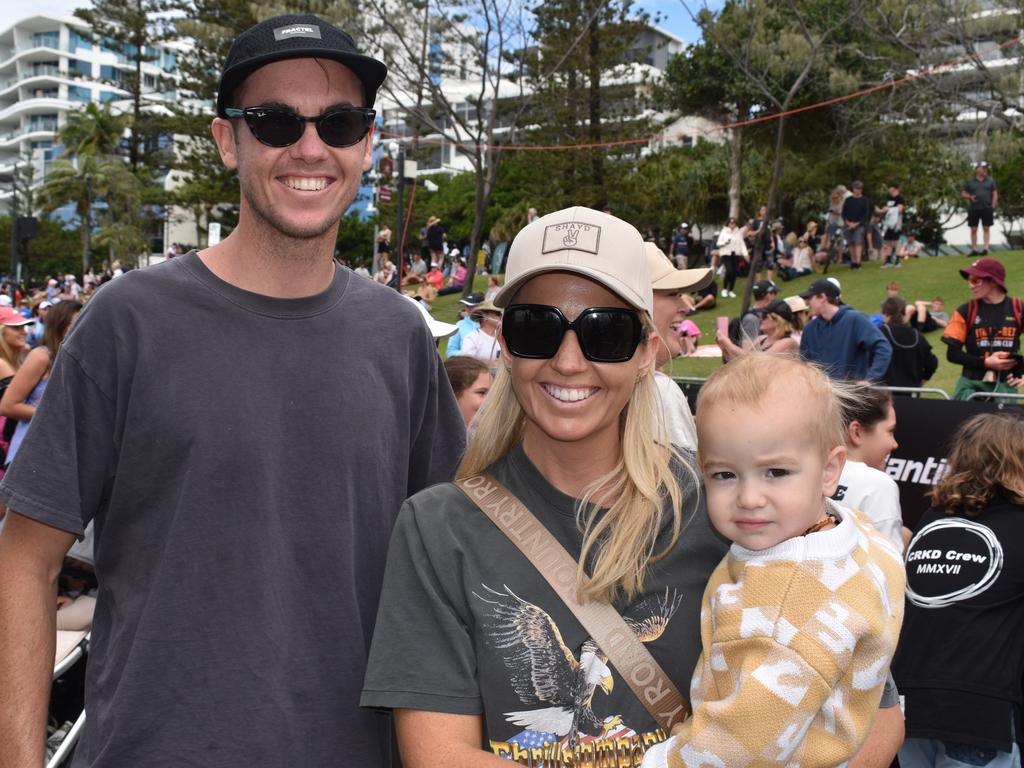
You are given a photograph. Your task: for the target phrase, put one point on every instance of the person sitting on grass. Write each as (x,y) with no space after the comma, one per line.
(800,620)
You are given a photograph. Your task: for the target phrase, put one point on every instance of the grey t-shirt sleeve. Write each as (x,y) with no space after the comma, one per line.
(71,444)
(422,655)
(440,439)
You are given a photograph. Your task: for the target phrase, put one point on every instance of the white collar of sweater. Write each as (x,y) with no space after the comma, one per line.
(839,541)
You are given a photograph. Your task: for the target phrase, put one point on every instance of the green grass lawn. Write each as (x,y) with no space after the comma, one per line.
(921,278)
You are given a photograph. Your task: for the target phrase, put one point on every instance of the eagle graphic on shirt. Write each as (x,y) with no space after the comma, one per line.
(547,675)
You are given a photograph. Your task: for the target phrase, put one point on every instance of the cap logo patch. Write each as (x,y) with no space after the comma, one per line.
(579,237)
(297,30)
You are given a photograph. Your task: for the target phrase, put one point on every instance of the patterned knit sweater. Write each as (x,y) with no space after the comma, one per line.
(797,641)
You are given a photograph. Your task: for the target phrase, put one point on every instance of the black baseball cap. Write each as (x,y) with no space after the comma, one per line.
(295,36)
(473,299)
(826,287)
(762,288)
(780,308)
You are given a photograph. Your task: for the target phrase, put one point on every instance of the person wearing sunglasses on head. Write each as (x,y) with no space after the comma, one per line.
(476,654)
(234,482)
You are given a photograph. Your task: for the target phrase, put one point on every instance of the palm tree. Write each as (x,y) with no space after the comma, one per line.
(90,137)
(84,182)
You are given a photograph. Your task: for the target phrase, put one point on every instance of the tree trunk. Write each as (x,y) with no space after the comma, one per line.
(487,171)
(735,172)
(594,104)
(764,233)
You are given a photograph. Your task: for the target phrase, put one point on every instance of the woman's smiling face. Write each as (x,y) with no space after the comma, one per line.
(568,398)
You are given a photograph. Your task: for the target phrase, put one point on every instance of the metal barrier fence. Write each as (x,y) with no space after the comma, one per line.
(914,391)
(996,396)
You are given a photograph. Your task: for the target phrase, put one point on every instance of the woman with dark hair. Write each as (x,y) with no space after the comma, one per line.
(471,380)
(961,654)
(913,361)
(870,425)
(27,387)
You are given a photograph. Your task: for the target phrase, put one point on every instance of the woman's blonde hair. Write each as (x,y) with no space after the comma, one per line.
(783,324)
(620,542)
(750,376)
(985,462)
(13,358)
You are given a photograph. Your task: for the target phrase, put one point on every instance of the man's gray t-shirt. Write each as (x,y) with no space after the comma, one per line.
(244,459)
(982,190)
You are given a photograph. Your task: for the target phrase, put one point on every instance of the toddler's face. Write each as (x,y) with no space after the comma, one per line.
(765,473)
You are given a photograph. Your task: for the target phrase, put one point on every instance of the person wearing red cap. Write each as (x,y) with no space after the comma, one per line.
(983,335)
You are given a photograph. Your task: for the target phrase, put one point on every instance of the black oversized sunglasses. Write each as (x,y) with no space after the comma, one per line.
(605,334)
(278,127)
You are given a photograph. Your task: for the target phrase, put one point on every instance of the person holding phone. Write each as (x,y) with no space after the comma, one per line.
(983,335)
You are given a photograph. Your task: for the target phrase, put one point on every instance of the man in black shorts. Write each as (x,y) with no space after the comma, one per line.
(856,217)
(982,196)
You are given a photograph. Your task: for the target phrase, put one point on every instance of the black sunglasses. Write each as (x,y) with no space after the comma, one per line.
(605,334)
(277,127)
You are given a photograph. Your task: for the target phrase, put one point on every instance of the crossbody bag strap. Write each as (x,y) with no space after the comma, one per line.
(606,627)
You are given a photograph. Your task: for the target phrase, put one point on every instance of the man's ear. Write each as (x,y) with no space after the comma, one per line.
(224,136)
(834,463)
(368,149)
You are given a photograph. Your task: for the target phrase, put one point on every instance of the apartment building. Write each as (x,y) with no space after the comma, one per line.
(47,69)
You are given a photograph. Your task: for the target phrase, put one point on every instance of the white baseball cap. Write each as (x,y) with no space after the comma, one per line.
(665,277)
(586,242)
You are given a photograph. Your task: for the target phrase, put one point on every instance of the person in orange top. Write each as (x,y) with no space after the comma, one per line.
(983,335)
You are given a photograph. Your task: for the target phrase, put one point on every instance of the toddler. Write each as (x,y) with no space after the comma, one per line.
(801,618)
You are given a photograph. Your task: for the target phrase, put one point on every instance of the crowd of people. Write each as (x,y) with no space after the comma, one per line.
(532,551)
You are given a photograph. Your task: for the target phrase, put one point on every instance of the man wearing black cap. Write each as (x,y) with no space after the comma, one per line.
(840,338)
(244,482)
(466,325)
(983,335)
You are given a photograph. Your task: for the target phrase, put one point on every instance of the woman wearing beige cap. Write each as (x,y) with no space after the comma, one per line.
(475,652)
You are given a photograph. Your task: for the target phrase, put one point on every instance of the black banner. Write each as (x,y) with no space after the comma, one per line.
(924,429)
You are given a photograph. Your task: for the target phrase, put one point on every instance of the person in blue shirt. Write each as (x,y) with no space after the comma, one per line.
(841,339)
(466,325)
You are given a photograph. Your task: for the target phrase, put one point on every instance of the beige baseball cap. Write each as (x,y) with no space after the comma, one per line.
(584,241)
(665,277)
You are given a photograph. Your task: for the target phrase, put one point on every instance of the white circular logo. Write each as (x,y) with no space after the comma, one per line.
(951,560)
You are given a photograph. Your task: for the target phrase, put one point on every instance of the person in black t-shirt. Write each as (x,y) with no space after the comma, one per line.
(856,216)
(892,225)
(913,361)
(983,335)
(982,196)
(961,655)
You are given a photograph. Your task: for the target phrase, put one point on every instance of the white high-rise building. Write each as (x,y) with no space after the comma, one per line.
(48,68)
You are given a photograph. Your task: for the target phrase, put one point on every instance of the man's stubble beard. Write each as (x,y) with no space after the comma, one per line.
(268,222)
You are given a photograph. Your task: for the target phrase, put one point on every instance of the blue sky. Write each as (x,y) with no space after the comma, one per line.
(675,19)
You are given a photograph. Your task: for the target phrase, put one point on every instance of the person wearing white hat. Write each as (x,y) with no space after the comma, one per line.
(670,285)
(438,328)
(482,342)
(479,658)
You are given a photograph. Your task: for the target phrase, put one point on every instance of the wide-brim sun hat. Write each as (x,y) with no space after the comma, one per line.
(987,268)
(295,36)
(585,242)
(438,328)
(665,276)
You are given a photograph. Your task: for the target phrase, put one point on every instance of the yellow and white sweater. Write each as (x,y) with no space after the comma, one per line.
(797,641)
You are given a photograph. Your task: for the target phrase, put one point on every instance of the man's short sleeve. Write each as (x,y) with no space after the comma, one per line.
(62,472)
